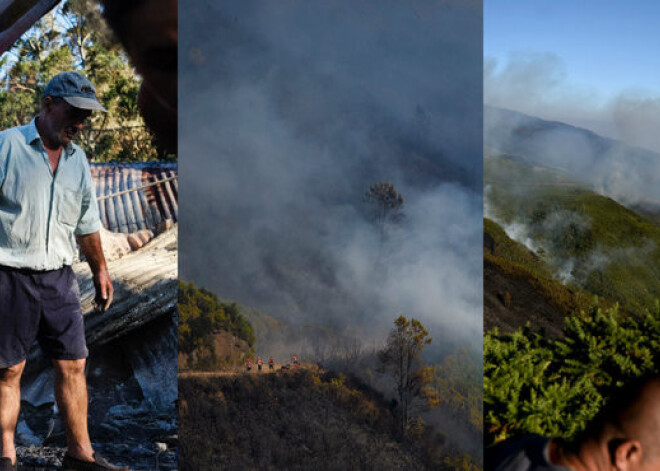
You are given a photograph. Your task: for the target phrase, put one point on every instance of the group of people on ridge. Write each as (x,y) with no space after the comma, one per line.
(271,363)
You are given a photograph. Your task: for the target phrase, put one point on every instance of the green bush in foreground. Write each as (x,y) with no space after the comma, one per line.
(553,387)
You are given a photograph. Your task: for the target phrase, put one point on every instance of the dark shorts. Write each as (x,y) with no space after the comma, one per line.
(43,306)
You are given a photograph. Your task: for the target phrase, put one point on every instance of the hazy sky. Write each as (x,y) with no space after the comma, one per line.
(590,63)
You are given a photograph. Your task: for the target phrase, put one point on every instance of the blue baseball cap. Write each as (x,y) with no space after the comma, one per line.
(75,89)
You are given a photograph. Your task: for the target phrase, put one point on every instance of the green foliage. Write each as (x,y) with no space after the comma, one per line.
(202,314)
(74,37)
(553,387)
(614,252)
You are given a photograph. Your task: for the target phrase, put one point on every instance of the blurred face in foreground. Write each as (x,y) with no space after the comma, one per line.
(634,443)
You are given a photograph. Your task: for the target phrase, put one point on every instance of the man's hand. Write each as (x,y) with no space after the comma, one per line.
(104,290)
(90,244)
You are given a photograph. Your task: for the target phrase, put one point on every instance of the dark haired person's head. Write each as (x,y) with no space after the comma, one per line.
(627,429)
(148,31)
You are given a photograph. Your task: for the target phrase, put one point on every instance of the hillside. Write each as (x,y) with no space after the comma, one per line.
(586,240)
(348,402)
(211,333)
(571,216)
(324,420)
(519,288)
(613,168)
(217,334)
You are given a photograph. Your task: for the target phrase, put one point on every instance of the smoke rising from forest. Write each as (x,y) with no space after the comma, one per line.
(611,168)
(289,111)
(538,84)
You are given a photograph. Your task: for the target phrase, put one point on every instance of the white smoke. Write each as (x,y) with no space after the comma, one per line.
(288,113)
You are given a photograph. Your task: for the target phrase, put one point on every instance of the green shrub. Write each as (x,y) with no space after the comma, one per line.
(553,387)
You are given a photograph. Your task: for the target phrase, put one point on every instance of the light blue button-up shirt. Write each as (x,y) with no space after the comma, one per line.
(41,212)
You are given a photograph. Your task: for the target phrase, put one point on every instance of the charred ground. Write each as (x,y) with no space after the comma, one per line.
(306,420)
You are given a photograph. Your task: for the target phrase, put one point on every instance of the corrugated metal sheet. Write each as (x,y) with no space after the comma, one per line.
(150,271)
(135,196)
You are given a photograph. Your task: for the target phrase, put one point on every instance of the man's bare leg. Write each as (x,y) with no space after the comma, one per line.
(10,404)
(71,394)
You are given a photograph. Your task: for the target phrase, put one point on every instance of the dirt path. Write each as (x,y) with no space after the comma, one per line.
(240,371)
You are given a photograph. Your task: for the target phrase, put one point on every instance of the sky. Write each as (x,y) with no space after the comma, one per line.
(588,63)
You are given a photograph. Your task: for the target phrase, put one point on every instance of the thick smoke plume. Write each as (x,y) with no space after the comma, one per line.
(289,111)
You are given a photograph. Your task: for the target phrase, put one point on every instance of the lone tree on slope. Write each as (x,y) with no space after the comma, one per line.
(402,359)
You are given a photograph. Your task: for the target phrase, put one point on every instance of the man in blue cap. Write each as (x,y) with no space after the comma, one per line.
(47,203)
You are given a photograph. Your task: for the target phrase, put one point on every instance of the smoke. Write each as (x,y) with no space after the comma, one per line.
(539,84)
(563,239)
(520,232)
(528,82)
(555,229)
(608,167)
(515,229)
(289,111)
(573,270)
(637,119)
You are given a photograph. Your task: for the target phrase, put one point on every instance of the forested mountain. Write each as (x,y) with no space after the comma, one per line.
(571,273)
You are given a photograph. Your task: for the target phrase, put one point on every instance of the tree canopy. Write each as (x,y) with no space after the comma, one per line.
(201,313)
(386,204)
(74,37)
